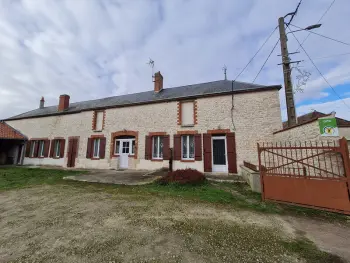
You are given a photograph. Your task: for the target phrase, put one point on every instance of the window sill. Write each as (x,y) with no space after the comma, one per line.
(56,157)
(188,125)
(95,158)
(97,130)
(187,161)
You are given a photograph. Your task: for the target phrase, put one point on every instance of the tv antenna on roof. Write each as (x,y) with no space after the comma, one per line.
(151,64)
(224,68)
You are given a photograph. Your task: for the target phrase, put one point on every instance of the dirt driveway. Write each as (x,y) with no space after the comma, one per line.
(67,223)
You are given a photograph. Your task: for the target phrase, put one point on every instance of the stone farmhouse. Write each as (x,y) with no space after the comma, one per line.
(211,127)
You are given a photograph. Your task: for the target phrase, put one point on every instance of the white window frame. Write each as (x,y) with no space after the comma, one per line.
(188,148)
(57,149)
(159,153)
(41,148)
(96,154)
(131,141)
(32,148)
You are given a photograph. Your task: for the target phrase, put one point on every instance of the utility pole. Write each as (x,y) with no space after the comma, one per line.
(288,86)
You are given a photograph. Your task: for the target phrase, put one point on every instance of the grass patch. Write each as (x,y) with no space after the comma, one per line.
(238,195)
(308,251)
(12,178)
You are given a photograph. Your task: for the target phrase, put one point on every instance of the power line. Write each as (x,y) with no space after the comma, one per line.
(293,13)
(256,53)
(330,56)
(311,32)
(329,7)
(266,61)
(318,69)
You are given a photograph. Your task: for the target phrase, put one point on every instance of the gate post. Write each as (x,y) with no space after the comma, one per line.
(344,150)
(261,174)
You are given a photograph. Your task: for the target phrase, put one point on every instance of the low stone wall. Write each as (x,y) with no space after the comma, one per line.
(252,178)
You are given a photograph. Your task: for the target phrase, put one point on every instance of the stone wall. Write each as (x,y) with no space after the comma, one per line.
(252,178)
(256,116)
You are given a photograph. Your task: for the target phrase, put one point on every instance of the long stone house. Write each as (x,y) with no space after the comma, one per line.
(211,127)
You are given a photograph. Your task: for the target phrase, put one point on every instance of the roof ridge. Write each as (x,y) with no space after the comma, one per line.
(212,88)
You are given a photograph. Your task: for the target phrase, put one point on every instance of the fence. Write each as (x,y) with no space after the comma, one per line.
(313,173)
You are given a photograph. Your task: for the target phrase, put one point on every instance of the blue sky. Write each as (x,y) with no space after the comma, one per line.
(92,49)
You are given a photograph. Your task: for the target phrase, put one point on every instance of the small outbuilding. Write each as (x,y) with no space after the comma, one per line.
(11,145)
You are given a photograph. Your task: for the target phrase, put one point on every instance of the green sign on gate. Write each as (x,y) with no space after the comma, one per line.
(328,127)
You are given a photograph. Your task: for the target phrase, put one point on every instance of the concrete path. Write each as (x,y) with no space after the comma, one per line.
(127,177)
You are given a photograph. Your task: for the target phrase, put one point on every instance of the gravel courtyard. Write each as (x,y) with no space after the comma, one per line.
(81,222)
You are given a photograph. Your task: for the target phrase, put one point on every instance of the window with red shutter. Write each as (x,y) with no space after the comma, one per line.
(88,148)
(46,148)
(231,152)
(177,147)
(62,145)
(28,145)
(166,147)
(198,147)
(207,152)
(148,147)
(102,147)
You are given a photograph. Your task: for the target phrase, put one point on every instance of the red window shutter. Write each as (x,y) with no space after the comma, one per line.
(63,143)
(166,147)
(28,145)
(88,148)
(36,149)
(231,152)
(198,147)
(102,148)
(207,152)
(177,147)
(46,148)
(148,148)
(52,147)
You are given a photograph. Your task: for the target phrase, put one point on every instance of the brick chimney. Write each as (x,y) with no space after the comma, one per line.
(64,102)
(42,103)
(158,82)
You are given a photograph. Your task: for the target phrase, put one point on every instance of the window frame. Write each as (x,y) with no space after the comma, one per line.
(188,158)
(57,148)
(41,150)
(32,149)
(94,141)
(159,152)
(132,144)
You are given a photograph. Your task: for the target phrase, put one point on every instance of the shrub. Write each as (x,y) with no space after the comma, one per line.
(183,176)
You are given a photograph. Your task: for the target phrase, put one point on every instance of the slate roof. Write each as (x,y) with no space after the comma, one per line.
(312,116)
(168,94)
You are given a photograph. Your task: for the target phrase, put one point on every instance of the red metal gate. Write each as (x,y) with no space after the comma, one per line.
(314,174)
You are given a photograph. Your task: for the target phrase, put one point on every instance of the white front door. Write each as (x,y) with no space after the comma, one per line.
(219,154)
(124,155)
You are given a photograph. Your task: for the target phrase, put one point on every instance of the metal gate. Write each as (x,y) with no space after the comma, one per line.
(314,174)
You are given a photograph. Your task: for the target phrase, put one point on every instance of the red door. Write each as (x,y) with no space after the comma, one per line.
(72,151)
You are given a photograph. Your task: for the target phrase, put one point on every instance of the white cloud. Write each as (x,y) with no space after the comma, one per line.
(92,49)
(341,107)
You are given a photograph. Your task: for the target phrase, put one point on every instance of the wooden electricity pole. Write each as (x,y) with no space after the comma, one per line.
(288,86)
